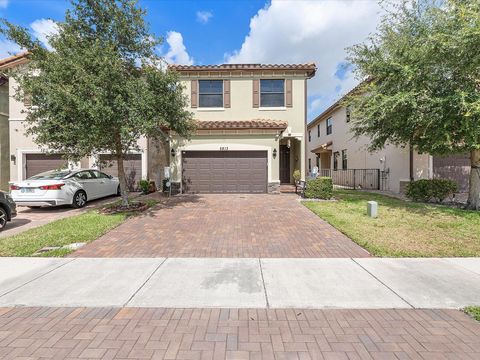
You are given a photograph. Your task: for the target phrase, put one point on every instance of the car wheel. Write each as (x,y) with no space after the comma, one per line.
(79,199)
(3,218)
(119,192)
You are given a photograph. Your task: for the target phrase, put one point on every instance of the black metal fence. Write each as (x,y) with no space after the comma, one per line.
(357,179)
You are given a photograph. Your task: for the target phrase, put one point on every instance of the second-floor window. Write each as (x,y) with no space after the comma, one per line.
(318,130)
(344,159)
(309,135)
(329,126)
(347,114)
(272,93)
(210,93)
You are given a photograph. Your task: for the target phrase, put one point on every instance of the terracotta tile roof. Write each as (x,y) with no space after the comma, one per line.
(12,59)
(310,68)
(241,124)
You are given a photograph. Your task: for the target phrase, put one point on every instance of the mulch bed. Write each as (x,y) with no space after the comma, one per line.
(132,207)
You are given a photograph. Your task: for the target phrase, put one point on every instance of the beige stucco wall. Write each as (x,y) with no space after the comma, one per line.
(4,138)
(396,159)
(241,100)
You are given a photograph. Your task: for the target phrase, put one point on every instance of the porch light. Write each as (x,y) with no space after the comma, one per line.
(274,153)
(172,152)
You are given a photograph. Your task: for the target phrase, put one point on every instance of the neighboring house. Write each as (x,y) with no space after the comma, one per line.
(250,136)
(26,158)
(333,149)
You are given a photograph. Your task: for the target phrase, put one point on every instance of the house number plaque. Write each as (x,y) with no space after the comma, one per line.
(223,148)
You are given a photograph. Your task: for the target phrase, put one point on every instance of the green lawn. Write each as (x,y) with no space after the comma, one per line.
(85,227)
(473,311)
(402,228)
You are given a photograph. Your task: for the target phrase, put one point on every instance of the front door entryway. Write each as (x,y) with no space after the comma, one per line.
(284,164)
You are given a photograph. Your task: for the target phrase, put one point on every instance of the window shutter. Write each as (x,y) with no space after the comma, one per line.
(256,93)
(288,93)
(194,94)
(226,93)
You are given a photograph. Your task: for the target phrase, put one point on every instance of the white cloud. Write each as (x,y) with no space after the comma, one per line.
(177,52)
(8,48)
(305,31)
(42,29)
(203,17)
(3,3)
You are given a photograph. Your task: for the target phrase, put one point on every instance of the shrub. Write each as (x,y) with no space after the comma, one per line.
(144,186)
(296,175)
(319,188)
(430,189)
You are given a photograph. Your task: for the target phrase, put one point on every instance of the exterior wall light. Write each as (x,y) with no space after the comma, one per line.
(274,153)
(172,152)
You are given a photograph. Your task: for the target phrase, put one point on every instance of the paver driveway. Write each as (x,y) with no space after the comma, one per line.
(233,225)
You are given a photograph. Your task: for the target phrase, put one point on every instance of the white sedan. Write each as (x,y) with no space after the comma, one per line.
(64,187)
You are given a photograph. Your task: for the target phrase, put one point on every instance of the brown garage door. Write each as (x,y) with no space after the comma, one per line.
(38,163)
(132,165)
(224,171)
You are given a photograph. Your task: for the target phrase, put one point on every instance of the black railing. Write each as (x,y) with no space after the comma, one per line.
(357,179)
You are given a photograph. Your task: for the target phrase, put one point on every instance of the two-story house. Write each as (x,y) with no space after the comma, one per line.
(251,122)
(333,149)
(250,136)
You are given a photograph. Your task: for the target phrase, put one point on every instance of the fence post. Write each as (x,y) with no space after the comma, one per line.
(378,179)
(354,174)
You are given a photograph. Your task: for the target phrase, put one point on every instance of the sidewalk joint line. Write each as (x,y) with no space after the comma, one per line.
(263,282)
(38,277)
(384,284)
(145,282)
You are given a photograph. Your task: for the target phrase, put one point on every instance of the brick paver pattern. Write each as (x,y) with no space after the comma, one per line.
(133,333)
(225,226)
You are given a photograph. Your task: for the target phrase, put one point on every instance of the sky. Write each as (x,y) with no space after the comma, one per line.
(239,31)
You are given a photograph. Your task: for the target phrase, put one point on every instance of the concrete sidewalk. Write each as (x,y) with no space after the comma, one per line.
(366,283)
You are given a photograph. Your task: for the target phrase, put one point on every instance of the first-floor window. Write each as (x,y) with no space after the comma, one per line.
(317,161)
(336,155)
(309,164)
(344,159)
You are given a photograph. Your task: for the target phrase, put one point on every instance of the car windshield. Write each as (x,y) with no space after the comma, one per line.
(50,175)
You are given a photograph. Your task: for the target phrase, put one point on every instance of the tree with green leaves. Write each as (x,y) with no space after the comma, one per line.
(421,87)
(102,86)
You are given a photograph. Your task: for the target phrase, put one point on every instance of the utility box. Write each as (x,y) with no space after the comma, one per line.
(372,209)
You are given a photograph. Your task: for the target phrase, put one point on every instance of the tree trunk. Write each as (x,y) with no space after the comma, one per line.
(474,189)
(121,170)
